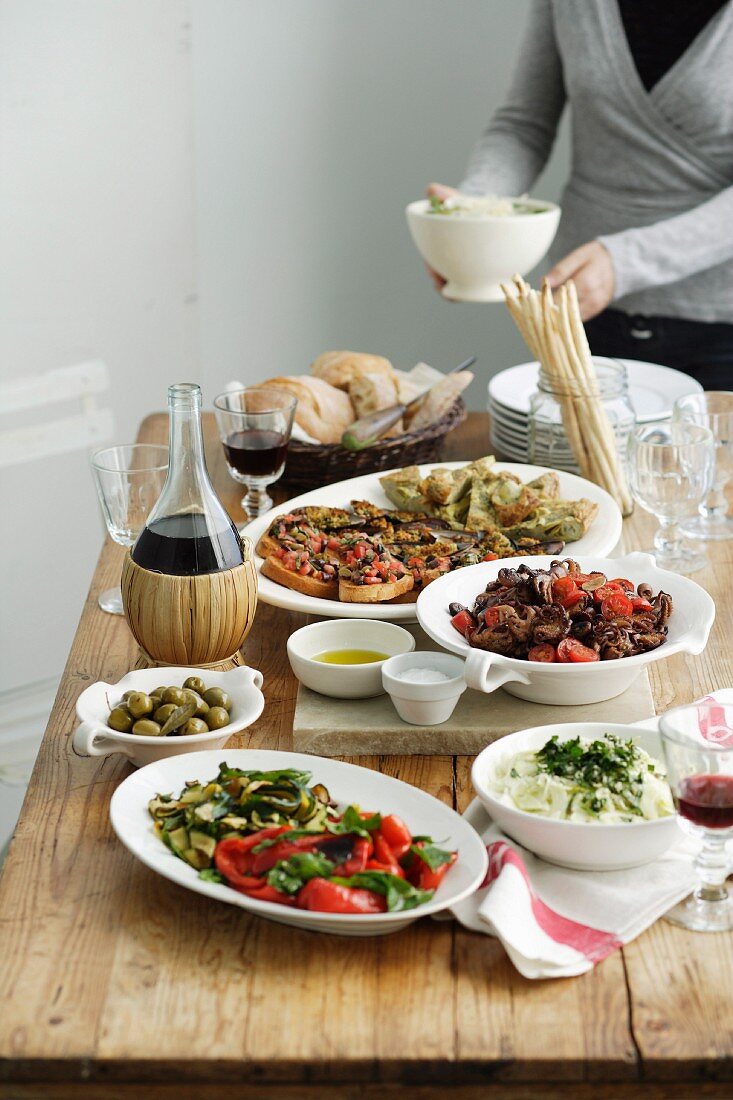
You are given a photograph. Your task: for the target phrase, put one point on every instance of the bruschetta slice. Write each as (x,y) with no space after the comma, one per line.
(370,574)
(299,570)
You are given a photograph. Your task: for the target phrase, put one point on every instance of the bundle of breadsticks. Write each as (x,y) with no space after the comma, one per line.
(554,333)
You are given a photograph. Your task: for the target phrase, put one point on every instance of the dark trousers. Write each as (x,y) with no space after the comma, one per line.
(699,348)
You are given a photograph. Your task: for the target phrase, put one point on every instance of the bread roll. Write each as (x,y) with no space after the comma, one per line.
(440,399)
(371,392)
(338,368)
(322,411)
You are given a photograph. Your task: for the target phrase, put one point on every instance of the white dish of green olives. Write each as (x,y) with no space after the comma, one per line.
(153,713)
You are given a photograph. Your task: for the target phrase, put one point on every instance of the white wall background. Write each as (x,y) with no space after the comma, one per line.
(96,260)
(284,138)
(316,121)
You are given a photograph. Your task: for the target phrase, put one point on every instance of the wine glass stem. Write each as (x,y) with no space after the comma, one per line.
(711,865)
(667,540)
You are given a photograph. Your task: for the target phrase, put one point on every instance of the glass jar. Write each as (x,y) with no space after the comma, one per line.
(189,532)
(548,442)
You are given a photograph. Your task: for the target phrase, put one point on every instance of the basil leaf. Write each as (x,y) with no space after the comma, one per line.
(398,892)
(431,854)
(352,822)
(210,874)
(288,875)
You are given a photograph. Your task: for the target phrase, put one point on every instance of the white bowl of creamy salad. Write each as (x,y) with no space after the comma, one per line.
(477,243)
(585,795)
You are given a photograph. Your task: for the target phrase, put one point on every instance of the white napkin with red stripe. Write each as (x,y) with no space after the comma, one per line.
(556,923)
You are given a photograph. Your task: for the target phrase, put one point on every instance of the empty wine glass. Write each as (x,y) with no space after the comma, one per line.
(698,748)
(714,410)
(129,479)
(255,425)
(670,472)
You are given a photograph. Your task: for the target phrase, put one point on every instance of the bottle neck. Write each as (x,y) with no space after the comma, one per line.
(188,477)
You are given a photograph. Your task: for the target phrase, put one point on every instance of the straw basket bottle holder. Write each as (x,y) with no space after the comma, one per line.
(189,586)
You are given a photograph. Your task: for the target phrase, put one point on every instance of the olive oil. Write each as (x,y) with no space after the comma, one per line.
(350,657)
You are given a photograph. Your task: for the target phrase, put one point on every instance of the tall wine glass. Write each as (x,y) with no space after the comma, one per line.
(129,479)
(713,409)
(698,747)
(255,424)
(670,472)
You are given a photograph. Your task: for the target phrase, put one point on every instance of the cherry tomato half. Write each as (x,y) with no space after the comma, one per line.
(570,649)
(543,652)
(565,591)
(617,605)
(463,622)
(638,603)
(492,616)
(600,594)
(625,583)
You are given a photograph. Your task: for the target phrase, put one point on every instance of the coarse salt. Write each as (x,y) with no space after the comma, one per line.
(422,676)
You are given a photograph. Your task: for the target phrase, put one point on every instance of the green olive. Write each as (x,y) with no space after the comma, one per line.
(140,704)
(195,683)
(120,720)
(163,712)
(159,691)
(202,708)
(157,700)
(217,697)
(217,718)
(145,727)
(127,695)
(193,725)
(174,695)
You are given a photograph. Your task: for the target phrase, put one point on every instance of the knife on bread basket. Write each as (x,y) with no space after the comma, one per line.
(369,429)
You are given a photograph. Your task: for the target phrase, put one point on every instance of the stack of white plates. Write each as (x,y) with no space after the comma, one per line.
(653,390)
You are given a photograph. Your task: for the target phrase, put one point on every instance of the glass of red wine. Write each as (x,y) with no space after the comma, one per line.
(698,748)
(255,426)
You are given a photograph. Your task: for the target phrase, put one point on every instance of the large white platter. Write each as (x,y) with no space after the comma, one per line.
(346,783)
(600,540)
(653,389)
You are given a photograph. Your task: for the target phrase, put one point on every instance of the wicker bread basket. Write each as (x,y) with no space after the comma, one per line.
(310,465)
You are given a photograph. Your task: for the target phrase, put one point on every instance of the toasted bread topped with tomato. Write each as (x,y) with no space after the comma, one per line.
(298,568)
(370,574)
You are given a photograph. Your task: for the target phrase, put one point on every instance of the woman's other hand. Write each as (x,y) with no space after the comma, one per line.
(591,268)
(441,191)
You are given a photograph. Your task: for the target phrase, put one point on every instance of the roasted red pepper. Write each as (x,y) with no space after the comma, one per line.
(397,835)
(234,857)
(324,896)
(420,874)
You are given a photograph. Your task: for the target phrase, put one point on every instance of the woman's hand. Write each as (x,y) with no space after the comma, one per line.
(591,268)
(441,192)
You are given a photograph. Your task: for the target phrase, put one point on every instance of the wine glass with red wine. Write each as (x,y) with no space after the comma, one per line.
(698,748)
(255,426)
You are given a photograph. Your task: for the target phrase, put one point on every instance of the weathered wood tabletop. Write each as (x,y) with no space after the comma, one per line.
(116,983)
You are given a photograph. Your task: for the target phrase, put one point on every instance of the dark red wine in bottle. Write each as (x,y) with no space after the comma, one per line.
(256,453)
(707,800)
(186,545)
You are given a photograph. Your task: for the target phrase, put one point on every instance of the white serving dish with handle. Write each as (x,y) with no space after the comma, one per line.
(346,783)
(565,684)
(93,737)
(576,844)
(476,253)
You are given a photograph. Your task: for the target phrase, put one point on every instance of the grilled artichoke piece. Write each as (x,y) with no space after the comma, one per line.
(547,485)
(403,489)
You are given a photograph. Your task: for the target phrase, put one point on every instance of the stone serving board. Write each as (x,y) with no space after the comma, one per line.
(370,727)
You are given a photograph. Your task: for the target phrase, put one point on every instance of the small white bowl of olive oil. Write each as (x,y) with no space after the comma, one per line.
(343,658)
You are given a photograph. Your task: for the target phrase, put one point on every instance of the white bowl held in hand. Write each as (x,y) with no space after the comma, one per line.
(95,738)
(565,684)
(476,253)
(582,846)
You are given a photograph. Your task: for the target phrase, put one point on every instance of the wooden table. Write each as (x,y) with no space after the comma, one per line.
(117,984)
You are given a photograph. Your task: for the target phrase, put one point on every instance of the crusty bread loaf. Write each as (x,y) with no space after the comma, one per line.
(323,411)
(440,398)
(371,392)
(338,368)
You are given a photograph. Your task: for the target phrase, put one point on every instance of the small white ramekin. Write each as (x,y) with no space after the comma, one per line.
(424,704)
(345,681)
